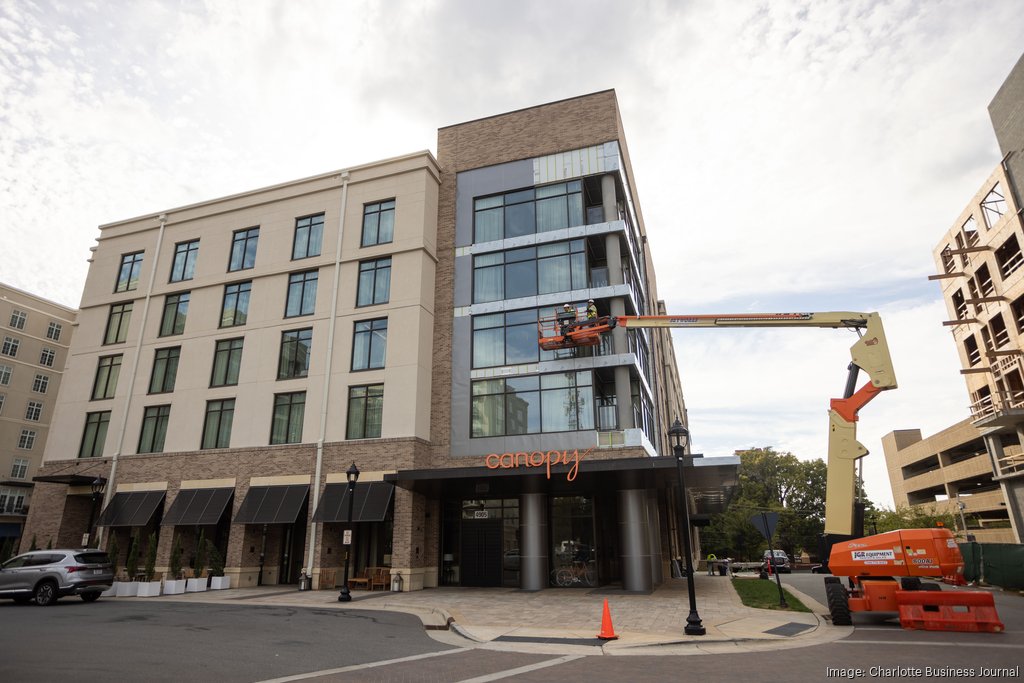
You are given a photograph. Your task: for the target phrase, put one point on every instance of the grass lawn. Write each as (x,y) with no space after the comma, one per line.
(765,595)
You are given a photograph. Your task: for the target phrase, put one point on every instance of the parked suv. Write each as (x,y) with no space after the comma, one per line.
(46,575)
(780,563)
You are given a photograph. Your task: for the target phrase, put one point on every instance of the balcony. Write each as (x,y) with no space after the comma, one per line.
(1004,408)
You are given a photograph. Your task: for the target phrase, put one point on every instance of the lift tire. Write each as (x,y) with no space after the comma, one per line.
(929,586)
(838,604)
(910,583)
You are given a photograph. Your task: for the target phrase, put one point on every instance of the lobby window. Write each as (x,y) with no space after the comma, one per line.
(227,361)
(117,323)
(27,439)
(301,294)
(184,265)
(40,383)
(19,469)
(309,236)
(46,357)
(243,249)
(33,411)
(105,383)
(365,411)
(374,282)
(295,350)
(532,404)
(529,211)
(370,344)
(289,410)
(175,312)
(10,346)
(235,309)
(165,370)
(378,223)
(94,435)
(18,319)
(128,273)
(53,331)
(5,375)
(154,429)
(993,206)
(544,269)
(217,424)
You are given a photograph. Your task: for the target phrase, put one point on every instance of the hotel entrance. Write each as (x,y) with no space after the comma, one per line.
(481,542)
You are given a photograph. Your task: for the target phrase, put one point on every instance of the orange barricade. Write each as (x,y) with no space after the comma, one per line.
(972,611)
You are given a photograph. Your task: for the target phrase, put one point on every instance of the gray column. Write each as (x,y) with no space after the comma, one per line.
(533,538)
(633,539)
(654,537)
(994,446)
(609,198)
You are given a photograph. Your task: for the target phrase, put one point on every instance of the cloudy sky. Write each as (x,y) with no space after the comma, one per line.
(789,156)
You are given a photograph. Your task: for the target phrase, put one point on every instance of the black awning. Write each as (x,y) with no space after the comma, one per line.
(272,504)
(198,507)
(369,504)
(134,508)
(69,479)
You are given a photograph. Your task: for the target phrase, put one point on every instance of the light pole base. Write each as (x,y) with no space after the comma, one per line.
(344,596)
(694,627)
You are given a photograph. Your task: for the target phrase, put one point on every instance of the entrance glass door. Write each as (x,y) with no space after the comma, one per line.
(572,542)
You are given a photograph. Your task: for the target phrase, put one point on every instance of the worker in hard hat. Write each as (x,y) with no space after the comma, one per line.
(591,309)
(566,317)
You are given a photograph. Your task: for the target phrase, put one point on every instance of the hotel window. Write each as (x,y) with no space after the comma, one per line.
(301,294)
(3,398)
(175,312)
(370,344)
(374,282)
(53,331)
(289,410)
(154,429)
(40,383)
(217,425)
(544,269)
(165,370)
(94,435)
(46,357)
(507,339)
(18,319)
(117,323)
(27,439)
(105,383)
(5,375)
(19,469)
(295,350)
(309,236)
(10,347)
(365,410)
(33,411)
(184,265)
(227,361)
(378,223)
(128,273)
(525,212)
(243,249)
(993,206)
(533,404)
(235,309)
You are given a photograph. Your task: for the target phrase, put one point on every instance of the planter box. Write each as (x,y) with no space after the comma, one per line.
(220,582)
(126,589)
(149,589)
(196,585)
(110,592)
(174,587)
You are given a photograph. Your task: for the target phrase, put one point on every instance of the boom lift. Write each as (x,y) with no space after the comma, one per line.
(873,564)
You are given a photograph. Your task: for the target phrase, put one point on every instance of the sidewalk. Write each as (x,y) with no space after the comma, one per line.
(567,621)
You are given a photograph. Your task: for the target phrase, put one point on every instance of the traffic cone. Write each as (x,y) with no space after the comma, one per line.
(607,632)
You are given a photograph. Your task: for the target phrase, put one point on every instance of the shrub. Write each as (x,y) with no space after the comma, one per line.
(176,559)
(132,564)
(216,559)
(115,553)
(200,562)
(151,558)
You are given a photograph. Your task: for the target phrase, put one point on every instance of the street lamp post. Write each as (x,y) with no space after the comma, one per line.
(680,436)
(352,474)
(98,485)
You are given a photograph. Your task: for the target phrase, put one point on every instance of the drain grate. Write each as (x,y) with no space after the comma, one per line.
(790,629)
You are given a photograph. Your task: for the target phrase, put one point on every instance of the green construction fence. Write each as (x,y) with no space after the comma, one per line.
(998,564)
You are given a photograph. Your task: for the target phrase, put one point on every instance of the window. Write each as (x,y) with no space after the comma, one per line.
(117,323)
(217,425)
(53,331)
(3,397)
(46,357)
(33,411)
(184,266)
(10,347)
(506,339)
(165,370)
(94,435)
(544,269)
(40,383)
(309,236)
(295,348)
(235,309)
(370,344)
(175,312)
(19,469)
(301,294)
(993,206)
(525,212)
(154,429)
(378,223)
(18,319)
(288,414)
(558,402)
(27,439)
(107,371)
(365,409)
(243,249)
(374,282)
(128,273)
(5,375)
(227,359)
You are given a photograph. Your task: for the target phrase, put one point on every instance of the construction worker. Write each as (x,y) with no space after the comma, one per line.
(591,309)
(566,318)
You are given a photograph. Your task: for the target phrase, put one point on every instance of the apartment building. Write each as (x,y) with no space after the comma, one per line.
(236,357)
(36,335)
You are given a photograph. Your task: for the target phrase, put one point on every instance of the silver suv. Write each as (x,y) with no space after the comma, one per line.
(46,575)
(780,562)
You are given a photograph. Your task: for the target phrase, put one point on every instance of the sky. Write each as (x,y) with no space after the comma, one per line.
(788,156)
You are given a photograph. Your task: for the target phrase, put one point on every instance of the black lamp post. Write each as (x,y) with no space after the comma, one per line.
(680,436)
(352,474)
(98,485)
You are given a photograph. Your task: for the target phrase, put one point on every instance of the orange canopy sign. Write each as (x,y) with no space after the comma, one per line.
(508,461)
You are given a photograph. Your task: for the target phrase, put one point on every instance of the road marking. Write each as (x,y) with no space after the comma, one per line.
(497,676)
(904,643)
(368,665)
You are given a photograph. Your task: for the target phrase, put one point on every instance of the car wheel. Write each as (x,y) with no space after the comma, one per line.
(45,593)
(90,597)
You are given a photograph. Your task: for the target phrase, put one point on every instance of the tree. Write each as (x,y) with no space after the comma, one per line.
(200,553)
(151,558)
(114,552)
(216,559)
(176,559)
(132,563)
(914,517)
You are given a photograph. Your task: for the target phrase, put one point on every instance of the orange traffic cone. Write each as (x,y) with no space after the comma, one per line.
(607,632)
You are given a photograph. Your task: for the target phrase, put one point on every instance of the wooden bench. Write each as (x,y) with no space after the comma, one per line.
(381,577)
(360,580)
